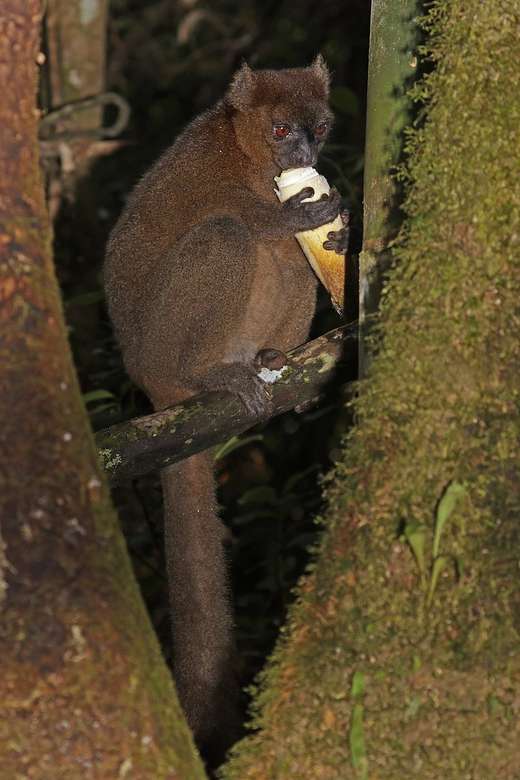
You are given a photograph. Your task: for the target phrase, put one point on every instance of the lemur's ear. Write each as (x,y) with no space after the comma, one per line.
(241,90)
(320,70)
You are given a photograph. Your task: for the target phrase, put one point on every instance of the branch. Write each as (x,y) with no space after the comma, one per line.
(145,444)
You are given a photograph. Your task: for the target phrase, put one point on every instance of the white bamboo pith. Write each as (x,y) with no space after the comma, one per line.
(328,266)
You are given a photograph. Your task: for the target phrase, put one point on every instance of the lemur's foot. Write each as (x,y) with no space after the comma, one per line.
(242,380)
(272,359)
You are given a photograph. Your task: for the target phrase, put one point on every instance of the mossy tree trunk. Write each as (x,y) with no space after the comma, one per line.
(84,692)
(402,656)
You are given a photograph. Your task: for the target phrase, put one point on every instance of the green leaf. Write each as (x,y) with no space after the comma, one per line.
(263,494)
(97,410)
(358,685)
(438,567)
(415,534)
(295,478)
(452,495)
(357,742)
(97,395)
(235,443)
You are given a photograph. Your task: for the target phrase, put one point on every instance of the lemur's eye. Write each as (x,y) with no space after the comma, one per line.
(320,130)
(281,131)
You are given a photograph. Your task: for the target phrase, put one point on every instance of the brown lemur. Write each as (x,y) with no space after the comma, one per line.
(203,273)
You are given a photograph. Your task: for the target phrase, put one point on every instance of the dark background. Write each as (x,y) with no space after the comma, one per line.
(170,60)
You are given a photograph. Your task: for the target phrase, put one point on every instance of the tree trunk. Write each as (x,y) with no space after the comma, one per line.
(402,655)
(84,692)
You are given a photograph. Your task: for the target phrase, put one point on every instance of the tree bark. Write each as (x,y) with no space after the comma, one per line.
(84,692)
(401,657)
(145,444)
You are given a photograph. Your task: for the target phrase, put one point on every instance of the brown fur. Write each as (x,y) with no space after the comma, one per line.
(202,272)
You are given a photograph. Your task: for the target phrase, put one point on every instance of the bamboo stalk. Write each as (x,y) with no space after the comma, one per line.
(391,68)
